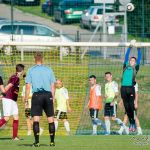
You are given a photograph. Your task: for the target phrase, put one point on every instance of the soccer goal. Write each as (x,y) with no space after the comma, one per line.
(73,63)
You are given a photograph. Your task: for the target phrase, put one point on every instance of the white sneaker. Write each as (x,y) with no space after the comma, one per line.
(126,130)
(139,133)
(120,131)
(41,131)
(15,139)
(29,132)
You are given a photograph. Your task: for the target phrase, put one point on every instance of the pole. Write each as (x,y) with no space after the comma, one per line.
(12,20)
(125,26)
(104,29)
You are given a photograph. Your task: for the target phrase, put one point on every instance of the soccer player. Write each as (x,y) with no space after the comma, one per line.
(41,79)
(10,107)
(111,93)
(125,120)
(95,104)
(28,110)
(62,100)
(130,69)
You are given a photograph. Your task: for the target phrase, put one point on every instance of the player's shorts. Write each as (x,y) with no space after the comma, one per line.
(28,112)
(42,101)
(10,107)
(93,113)
(60,115)
(110,111)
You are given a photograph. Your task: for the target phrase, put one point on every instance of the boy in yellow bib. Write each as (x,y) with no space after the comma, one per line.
(62,101)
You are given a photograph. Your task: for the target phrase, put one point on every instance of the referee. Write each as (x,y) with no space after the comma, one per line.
(41,79)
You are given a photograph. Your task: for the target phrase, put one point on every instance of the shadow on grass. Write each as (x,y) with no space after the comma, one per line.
(8,138)
(30,145)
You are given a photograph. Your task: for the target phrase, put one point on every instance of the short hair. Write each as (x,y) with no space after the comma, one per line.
(19,67)
(133,58)
(38,56)
(108,73)
(92,76)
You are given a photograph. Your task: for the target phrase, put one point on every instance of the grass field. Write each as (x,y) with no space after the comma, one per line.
(80,143)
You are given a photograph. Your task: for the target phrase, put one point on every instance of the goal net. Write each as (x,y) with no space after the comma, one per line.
(73,63)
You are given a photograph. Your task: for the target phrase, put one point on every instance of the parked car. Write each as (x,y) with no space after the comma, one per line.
(94,15)
(30,32)
(24,2)
(70,10)
(46,6)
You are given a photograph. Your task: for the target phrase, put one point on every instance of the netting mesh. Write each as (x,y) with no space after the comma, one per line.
(74,72)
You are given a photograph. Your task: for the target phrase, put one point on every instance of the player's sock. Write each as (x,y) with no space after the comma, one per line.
(94,129)
(52,131)
(2,122)
(56,124)
(67,126)
(139,131)
(36,131)
(15,128)
(107,123)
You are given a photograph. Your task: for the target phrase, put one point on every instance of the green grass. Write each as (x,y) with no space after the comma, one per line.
(80,143)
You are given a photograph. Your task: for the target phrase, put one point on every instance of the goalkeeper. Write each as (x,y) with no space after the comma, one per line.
(130,69)
(95,104)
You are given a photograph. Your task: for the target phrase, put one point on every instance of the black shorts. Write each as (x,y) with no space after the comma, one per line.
(93,113)
(60,115)
(42,101)
(28,112)
(110,111)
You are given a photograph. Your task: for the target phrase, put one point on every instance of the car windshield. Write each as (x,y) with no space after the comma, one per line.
(73,4)
(100,11)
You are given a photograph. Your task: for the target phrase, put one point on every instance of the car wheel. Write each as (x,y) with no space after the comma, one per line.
(62,20)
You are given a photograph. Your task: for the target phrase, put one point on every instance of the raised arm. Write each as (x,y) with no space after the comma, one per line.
(139,56)
(126,59)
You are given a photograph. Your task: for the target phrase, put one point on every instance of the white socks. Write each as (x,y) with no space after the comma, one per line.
(94,129)
(107,123)
(67,126)
(56,124)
